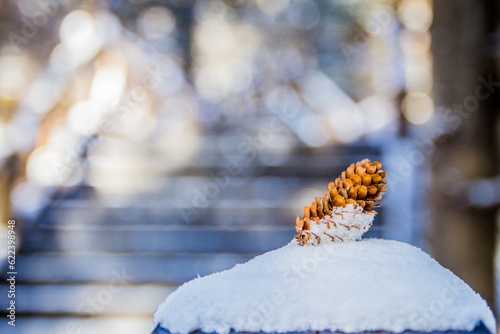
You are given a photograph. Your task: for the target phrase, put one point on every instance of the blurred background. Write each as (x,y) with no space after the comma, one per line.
(143,143)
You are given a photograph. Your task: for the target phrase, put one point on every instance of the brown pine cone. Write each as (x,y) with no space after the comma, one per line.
(362,184)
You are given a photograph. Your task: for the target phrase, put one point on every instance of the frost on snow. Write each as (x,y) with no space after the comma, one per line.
(350,286)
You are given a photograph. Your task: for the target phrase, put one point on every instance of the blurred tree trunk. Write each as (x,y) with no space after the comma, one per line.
(462,236)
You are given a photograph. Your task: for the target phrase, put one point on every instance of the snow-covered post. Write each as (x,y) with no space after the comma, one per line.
(327,280)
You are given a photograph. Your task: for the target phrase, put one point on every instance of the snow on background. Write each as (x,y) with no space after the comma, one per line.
(372,284)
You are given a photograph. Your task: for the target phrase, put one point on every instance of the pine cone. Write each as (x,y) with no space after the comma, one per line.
(345,211)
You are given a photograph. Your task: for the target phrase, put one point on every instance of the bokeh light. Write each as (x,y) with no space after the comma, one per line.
(313,130)
(16,72)
(378,112)
(84,117)
(48,166)
(418,108)
(108,85)
(81,35)
(157,22)
(416,15)
(41,96)
(223,67)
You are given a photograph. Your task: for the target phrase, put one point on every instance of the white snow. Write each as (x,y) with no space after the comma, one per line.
(345,223)
(351,286)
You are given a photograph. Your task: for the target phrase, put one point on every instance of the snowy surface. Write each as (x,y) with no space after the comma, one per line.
(350,286)
(345,223)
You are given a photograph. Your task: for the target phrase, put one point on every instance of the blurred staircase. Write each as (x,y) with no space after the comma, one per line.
(91,265)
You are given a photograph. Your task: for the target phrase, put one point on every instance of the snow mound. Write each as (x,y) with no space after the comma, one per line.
(371,284)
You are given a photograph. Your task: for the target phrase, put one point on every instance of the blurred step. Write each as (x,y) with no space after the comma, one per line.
(96,325)
(212,150)
(113,298)
(198,212)
(165,269)
(77,212)
(158,239)
(325,167)
(163,239)
(174,188)
(215,153)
